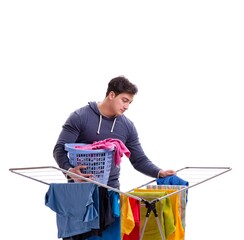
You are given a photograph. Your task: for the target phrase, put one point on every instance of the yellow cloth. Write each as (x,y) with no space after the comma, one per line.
(179,232)
(165,215)
(126,216)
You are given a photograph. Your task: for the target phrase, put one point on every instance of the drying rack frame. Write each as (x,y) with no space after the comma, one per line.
(150,205)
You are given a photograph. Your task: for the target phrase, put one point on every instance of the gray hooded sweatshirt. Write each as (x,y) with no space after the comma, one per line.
(86,125)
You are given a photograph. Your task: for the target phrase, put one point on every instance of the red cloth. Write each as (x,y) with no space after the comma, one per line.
(109,143)
(135,233)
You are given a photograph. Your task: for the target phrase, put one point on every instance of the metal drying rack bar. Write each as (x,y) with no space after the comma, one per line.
(54,173)
(194,175)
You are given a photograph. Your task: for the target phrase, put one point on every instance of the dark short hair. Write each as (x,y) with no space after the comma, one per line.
(121,85)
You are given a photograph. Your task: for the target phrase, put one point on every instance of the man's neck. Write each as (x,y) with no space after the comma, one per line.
(103,110)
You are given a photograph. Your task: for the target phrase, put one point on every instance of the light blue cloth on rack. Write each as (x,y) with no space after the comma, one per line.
(76,206)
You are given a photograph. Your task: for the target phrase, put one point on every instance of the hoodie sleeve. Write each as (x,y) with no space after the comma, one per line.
(69,134)
(138,158)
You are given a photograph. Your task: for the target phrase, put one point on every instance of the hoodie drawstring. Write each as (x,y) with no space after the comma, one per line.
(112,129)
(100,123)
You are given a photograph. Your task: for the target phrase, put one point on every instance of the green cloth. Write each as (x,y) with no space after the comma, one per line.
(182,198)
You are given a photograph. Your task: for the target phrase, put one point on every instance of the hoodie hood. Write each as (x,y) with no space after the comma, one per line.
(93,106)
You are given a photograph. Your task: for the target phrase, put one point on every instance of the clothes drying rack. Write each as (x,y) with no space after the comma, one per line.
(193,175)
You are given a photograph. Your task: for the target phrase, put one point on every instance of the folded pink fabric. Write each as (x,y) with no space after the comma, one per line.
(109,143)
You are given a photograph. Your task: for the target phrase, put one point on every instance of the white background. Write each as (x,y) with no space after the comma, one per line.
(186,58)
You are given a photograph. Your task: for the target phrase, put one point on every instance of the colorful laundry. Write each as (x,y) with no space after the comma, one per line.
(110,143)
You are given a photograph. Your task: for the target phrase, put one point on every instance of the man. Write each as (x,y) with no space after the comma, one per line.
(103,120)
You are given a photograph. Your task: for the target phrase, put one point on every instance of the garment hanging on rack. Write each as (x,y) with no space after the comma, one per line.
(165,213)
(76,206)
(173,180)
(135,233)
(106,217)
(179,232)
(182,198)
(112,232)
(127,218)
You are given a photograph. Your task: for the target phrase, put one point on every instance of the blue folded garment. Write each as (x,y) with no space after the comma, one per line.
(172,180)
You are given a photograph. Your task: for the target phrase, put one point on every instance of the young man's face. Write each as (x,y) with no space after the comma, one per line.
(120,103)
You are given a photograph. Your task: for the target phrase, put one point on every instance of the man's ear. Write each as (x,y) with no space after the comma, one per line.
(111,95)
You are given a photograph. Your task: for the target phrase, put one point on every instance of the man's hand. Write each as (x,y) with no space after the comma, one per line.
(166,173)
(78,170)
